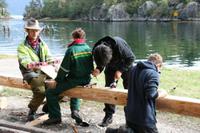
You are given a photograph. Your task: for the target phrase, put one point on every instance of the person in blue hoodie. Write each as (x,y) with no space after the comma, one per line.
(140,111)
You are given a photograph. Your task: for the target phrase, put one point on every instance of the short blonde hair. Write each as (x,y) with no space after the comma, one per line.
(78,33)
(156,59)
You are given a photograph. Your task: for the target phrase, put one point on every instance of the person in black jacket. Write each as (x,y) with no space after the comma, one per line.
(115,55)
(140,111)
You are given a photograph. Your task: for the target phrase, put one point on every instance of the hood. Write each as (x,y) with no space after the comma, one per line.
(109,40)
(146,65)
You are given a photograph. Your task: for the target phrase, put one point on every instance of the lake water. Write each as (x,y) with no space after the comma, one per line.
(177,42)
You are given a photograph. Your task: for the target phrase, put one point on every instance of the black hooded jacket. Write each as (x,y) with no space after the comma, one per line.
(142,92)
(122,55)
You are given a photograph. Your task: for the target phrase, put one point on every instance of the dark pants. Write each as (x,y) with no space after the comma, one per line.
(109,77)
(142,129)
(52,96)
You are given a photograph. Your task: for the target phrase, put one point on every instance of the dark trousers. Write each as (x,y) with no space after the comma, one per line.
(109,77)
(142,129)
(52,96)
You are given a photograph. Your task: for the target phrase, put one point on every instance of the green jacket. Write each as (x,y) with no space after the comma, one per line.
(77,63)
(26,55)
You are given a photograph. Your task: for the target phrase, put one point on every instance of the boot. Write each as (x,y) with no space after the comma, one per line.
(45,108)
(75,115)
(106,121)
(31,115)
(52,121)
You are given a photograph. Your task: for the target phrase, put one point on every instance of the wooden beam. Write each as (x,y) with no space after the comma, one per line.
(99,94)
(37,121)
(13,82)
(105,95)
(11,127)
(180,105)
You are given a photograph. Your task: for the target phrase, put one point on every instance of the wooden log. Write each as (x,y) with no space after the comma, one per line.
(10,130)
(37,121)
(13,82)
(105,95)
(18,127)
(180,105)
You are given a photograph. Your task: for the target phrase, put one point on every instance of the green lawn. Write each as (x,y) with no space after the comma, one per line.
(181,82)
(175,81)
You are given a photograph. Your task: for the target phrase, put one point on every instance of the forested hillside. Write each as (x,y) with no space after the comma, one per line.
(3,9)
(114,10)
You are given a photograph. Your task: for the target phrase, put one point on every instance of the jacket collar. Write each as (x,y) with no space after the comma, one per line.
(76,41)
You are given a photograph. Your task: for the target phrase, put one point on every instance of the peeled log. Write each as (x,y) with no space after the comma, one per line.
(175,104)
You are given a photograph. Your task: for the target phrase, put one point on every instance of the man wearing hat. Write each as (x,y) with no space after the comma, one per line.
(33,50)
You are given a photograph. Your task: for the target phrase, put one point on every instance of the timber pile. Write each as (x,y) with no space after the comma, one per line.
(180,105)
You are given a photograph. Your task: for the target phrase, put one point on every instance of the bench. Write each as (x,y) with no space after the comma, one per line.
(175,104)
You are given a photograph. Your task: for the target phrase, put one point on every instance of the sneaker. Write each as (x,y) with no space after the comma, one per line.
(45,108)
(52,121)
(106,121)
(83,124)
(75,115)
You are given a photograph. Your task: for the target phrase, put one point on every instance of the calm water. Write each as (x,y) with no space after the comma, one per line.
(178,43)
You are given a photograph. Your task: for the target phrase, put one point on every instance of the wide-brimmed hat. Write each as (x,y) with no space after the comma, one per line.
(32,24)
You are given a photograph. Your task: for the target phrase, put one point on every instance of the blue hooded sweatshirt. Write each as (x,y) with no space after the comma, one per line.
(142,92)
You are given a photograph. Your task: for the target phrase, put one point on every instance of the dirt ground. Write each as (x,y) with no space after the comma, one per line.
(16,112)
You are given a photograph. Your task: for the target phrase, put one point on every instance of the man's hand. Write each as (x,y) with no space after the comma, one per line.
(50,84)
(118,75)
(95,72)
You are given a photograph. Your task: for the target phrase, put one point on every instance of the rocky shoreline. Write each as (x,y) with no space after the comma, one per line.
(148,11)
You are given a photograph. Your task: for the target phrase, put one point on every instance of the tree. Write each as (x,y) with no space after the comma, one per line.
(33,9)
(3,10)
(3,4)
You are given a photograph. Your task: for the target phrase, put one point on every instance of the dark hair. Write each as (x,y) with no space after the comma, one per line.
(78,33)
(102,54)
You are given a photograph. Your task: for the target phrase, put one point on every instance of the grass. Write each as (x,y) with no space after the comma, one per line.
(181,82)
(176,82)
